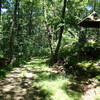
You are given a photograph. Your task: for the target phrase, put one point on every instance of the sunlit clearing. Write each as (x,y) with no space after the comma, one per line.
(55,88)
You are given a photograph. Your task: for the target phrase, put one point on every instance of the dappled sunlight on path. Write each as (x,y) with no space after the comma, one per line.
(92,94)
(17,85)
(36,81)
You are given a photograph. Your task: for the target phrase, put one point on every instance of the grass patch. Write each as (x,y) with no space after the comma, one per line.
(97,97)
(50,86)
(55,88)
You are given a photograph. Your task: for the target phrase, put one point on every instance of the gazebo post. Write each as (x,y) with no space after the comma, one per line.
(98,35)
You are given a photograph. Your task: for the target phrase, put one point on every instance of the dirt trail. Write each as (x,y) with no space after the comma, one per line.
(18,85)
(91,94)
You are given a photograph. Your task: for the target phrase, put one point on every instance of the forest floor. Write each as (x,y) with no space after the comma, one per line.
(36,81)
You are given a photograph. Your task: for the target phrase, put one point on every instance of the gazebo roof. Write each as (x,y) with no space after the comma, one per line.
(92,21)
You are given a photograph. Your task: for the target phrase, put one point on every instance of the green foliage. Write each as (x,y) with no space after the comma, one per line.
(37,25)
(48,85)
(72,90)
(91,49)
(4,70)
(31,37)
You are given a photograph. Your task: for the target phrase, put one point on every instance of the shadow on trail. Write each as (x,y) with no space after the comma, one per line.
(82,69)
(5,69)
(23,83)
(19,83)
(86,78)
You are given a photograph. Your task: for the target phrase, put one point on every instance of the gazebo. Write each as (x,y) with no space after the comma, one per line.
(91,21)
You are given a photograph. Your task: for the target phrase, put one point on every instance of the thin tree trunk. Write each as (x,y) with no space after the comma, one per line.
(49,38)
(13,31)
(94,5)
(30,22)
(97,35)
(0,8)
(55,57)
(48,30)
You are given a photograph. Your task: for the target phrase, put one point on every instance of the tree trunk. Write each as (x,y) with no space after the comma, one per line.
(55,57)
(49,39)
(0,8)
(98,35)
(30,20)
(48,29)
(13,30)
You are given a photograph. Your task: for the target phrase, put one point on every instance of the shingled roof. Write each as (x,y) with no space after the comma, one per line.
(93,21)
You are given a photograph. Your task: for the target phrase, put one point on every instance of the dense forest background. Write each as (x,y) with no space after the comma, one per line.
(49,29)
(34,28)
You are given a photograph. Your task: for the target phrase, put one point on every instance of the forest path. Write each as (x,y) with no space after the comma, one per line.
(24,83)
(92,94)
(17,85)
